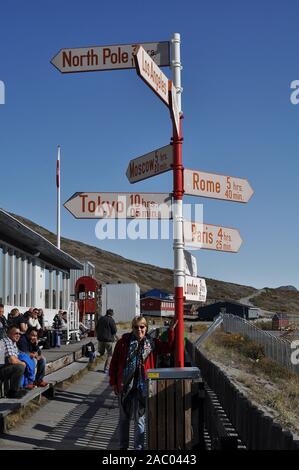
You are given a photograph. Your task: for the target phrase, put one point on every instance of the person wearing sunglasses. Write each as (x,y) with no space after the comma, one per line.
(11,367)
(134,354)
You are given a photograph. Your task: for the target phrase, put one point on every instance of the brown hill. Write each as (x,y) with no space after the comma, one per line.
(112,268)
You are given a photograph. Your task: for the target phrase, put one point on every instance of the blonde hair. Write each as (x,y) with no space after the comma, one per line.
(137,320)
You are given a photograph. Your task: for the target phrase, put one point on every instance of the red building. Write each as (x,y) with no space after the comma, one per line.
(280,321)
(152,306)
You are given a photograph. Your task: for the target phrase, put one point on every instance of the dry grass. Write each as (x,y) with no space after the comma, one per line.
(265,382)
(278,300)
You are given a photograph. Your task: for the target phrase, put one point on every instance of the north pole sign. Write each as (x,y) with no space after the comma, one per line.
(113,57)
(213,185)
(120,205)
(195,289)
(211,237)
(151,164)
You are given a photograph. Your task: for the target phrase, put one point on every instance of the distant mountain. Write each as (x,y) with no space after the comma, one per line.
(291,288)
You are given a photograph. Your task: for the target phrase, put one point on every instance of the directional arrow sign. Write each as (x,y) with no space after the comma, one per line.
(195,289)
(229,188)
(120,206)
(90,59)
(211,237)
(150,73)
(150,164)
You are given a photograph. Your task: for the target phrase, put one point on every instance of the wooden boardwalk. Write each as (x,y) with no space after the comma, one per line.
(85,416)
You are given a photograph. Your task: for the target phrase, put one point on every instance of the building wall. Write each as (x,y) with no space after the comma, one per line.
(27,281)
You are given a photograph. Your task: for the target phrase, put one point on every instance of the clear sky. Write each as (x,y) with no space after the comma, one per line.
(239,58)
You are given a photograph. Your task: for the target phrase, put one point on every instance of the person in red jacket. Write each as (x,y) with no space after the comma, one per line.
(134,354)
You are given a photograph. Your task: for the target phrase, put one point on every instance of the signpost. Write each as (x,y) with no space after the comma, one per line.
(120,205)
(211,237)
(147,58)
(212,185)
(150,73)
(150,164)
(195,289)
(113,57)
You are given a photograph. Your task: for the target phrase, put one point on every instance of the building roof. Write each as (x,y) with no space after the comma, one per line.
(158,294)
(280,316)
(17,234)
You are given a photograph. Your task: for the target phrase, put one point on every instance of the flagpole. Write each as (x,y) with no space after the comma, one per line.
(58,196)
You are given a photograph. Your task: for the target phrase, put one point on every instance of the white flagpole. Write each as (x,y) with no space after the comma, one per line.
(58,196)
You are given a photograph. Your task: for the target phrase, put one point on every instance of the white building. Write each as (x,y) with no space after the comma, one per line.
(33,271)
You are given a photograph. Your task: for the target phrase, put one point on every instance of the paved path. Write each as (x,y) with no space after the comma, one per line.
(85,416)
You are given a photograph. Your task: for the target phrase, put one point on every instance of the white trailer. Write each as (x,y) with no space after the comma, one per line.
(253,313)
(124,299)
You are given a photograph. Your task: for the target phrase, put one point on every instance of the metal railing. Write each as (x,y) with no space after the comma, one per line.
(277,349)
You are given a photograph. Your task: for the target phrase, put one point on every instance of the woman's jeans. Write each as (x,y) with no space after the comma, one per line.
(124,425)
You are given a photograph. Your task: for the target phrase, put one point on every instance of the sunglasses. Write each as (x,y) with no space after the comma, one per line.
(141,327)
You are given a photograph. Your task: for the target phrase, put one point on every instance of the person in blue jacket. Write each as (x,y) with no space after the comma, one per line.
(31,354)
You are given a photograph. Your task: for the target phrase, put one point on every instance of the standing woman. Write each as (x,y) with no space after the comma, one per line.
(134,354)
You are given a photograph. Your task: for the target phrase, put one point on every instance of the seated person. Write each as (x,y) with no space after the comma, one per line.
(64,321)
(33,321)
(57,321)
(83,330)
(3,322)
(12,368)
(28,345)
(41,319)
(15,318)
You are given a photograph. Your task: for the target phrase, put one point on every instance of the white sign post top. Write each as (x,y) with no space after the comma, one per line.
(195,289)
(151,74)
(120,205)
(95,58)
(211,237)
(150,164)
(212,185)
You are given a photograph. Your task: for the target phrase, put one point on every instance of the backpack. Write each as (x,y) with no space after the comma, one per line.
(87,349)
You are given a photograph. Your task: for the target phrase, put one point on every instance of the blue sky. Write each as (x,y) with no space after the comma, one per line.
(239,59)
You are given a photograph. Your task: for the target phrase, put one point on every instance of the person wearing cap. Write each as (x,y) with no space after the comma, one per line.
(106,331)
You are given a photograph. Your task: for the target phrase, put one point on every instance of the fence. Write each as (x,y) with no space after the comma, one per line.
(257,430)
(275,348)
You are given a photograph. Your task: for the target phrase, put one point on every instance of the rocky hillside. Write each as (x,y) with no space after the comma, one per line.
(112,268)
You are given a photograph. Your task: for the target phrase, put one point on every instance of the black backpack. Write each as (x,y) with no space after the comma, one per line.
(87,349)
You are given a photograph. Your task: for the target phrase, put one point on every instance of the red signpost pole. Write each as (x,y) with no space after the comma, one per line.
(178,191)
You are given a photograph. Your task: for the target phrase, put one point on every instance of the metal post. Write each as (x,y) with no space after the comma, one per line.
(12,259)
(178,191)
(4,275)
(24,281)
(58,197)
(50,288)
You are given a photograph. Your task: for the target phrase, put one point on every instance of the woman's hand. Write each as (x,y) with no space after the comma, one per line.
(174,325)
